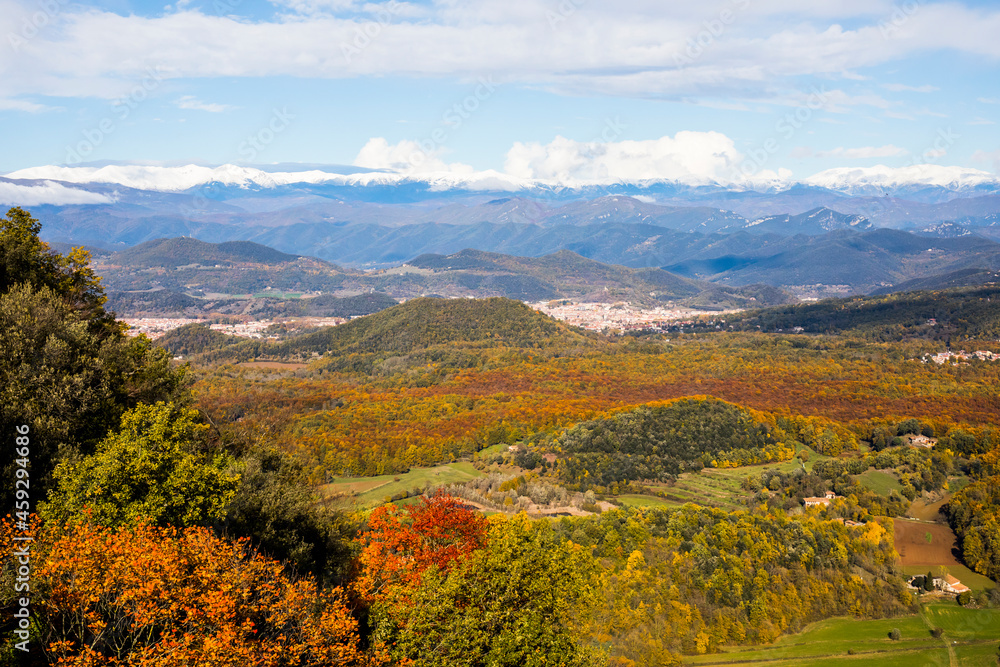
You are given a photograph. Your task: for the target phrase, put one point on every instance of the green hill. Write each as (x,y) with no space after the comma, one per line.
(568,275)
(195,339)
(425,322)
(155,301)
(964,312)
(328,305)
(660,442)
(184,251)
(416,326)
(563,274)
(963,278)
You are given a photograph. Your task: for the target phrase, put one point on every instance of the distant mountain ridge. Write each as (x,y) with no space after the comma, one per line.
(186,276)
(817,221)
(185,250)
(565,274)
(880,178)
(775,233)
(636,262)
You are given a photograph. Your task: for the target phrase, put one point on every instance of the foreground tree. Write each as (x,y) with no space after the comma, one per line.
(67,370)
(286,519)
(158,597)
(514,600)
(401,544)
(157,468)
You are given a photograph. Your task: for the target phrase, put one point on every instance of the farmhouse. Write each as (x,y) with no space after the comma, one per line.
(825,500)
(951,585)
(922,441)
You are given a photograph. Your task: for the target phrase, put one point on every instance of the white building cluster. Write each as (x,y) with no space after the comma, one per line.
(620,316)
(944,357)
(154,327)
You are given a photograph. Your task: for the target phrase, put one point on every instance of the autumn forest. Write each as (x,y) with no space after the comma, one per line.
(470,482)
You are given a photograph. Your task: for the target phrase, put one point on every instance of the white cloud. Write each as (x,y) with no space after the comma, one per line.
(15,194)
(22,105)
(693,157)
(633,47)
(902,88)
(863,152)
(191,102)
(981,121)
(406,157)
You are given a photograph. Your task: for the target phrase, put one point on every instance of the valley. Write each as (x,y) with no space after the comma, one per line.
(544,333)
(730,466)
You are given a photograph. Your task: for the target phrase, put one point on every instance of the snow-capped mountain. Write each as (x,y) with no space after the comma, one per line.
(188,177)
(886,180)
(878,180)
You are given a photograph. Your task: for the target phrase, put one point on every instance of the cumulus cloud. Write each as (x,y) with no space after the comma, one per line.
(406,157)
(693,157)
(690,157)
(56,194)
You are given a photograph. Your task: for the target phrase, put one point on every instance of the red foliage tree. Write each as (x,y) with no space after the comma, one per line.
(400,544)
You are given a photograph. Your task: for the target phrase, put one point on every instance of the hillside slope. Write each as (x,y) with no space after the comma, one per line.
(183,251)
(964,312)
(413,328)
(425,322)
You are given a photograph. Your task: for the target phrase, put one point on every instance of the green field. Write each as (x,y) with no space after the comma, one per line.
(972,635)
(956,484)
(635,500)
(977,655)
(879,482)
(713,487)
(365,492)
(274,294)
(492,450)
(960,623)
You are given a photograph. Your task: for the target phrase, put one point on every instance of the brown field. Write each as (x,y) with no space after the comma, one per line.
(280,365)
(911,542)
(929,511)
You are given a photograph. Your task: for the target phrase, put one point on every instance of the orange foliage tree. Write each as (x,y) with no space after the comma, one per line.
(161,597)
(400,544)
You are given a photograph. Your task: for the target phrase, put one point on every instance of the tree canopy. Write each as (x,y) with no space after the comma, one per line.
(67,371)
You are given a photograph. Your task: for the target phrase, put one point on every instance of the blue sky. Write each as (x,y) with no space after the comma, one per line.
(535,88)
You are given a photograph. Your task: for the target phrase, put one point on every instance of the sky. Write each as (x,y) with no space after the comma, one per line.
(552,89)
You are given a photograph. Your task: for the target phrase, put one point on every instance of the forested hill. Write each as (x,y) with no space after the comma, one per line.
(965,312)
(423,323)
(565,272)
(184,251)
(657,442)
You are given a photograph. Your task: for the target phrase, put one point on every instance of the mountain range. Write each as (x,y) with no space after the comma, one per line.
(184,275)
(857,229)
